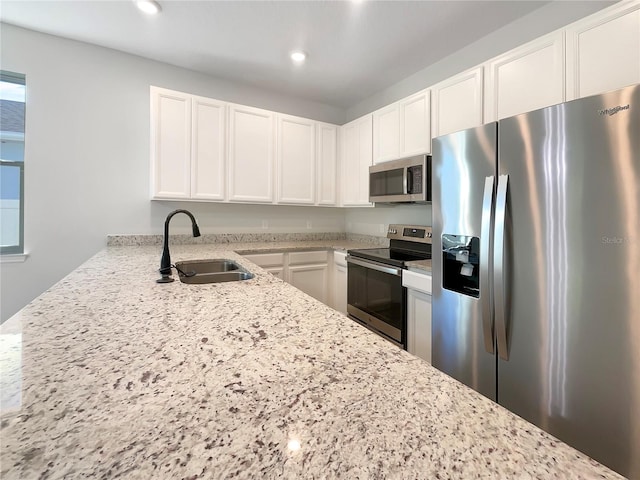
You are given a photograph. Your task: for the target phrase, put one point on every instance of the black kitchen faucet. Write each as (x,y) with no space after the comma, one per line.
(165,262)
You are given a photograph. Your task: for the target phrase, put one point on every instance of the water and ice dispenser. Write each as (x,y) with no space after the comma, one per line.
(461,264)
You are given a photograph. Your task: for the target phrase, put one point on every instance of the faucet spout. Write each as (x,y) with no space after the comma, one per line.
(165,261)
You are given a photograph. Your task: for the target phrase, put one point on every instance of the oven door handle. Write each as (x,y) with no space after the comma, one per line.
(375,266)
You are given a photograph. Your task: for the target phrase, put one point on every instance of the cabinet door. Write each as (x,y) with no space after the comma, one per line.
(356,160)
(386,133)
(327,163)
(251,154)
(365,134)
(419,324)
(296,154)
(311,279)
(457,103)
(209,131)
(603,51)
(170,144)
(340,284)
(349,180)
(526,78)
(415,124)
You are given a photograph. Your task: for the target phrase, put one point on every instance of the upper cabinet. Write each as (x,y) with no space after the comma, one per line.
(251,154)
(457,102)
(327,164)
(296,160)
(603,51)
(208,148)
(356,160)
(402,129)
(415,124)
(526,78)
(170,144)
(386,133)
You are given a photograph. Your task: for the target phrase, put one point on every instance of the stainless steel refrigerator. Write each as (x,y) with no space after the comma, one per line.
(536,269)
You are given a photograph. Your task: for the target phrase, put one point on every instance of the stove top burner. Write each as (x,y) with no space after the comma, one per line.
(390,256)
(407,243)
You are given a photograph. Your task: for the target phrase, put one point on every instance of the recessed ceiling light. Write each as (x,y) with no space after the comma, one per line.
(298,56)
(148,6)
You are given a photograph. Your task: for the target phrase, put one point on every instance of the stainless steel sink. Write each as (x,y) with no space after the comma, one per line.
(211,271)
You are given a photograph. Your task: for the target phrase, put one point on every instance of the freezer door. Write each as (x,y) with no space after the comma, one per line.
(571,274)
(464,165)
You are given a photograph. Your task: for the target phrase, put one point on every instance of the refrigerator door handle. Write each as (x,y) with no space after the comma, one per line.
(485,262)
(498,267)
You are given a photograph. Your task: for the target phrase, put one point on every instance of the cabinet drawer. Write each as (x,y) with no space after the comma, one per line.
(267,259)
(416,281)
(296,258)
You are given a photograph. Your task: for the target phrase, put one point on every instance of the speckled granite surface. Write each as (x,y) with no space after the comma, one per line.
(420,266)
(252,238)
(120,377)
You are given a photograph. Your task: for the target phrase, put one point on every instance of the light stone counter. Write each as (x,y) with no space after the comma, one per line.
(110,375)
(420,266)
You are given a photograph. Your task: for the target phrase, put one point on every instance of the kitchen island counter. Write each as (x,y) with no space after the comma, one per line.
(109,374)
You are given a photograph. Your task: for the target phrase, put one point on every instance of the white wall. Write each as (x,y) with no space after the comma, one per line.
(87,156)
(546,19)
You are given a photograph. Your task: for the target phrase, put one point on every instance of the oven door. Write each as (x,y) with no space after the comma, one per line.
(376,298)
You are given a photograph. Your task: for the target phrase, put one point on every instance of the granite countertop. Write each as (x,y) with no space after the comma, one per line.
(109,374)
(420,266)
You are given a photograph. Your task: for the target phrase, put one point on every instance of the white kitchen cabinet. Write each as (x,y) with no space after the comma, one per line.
(418,313)
(170,144)
(208,151)
(603,51)
(457,102)
(251,154)
(309,271)
(327,164)
(386,133)
(526,78)
(296,160)
(311,279)
(357,151)
(415,124)
(339,284)
(402,129)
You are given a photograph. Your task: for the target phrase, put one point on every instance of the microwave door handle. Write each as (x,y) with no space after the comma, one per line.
(405,180)
(409,188)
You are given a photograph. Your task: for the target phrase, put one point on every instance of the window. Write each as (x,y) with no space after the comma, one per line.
(12,113)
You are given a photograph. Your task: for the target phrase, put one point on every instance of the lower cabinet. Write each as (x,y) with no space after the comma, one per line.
(339,284)
(307,271)
(418,313)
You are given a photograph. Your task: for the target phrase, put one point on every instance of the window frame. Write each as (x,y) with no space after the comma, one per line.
(18,249)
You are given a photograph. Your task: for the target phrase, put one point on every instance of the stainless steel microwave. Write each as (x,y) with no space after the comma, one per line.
(407,180)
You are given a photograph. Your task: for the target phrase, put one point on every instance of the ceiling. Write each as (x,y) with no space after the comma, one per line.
(355,49)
